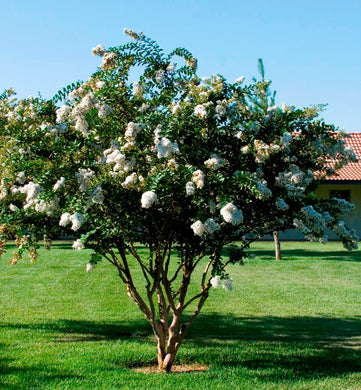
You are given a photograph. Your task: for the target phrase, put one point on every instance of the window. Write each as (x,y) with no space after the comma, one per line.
(340,194)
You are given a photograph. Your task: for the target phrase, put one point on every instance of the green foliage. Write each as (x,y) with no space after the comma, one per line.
(181,164)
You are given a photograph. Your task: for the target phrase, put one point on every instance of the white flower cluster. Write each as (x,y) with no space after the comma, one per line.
(84,176)
(282,205)
(109,60)
(32,191)
(47,207)
(98,50)
(295,181)
(78,245)
(170,67)
(231,214)
(138,90)
(104,110)
(160,75)
(221,108)
(343,205)
(198,178)
(200,111)
(148,199)
(348,237)
(262,151)
(176,108)
(263,191)
(63,113)
(190,188)
(313,224)
(130,135)
(214,163)
(286,139)
(76,219)
(121,164)
(21,178)
(166,148)
(133,182)
(209,227)
(226,283)
(97,195)
(3,191)
(59,184)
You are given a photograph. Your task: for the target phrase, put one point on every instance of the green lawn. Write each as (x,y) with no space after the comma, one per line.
(290,324)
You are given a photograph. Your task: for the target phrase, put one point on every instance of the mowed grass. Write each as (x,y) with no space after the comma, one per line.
(290,324)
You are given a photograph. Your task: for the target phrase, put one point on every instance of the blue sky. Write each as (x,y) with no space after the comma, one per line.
(311,49)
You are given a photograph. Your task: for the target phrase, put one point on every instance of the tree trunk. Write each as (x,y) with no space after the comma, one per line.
(277,245)
(168,345)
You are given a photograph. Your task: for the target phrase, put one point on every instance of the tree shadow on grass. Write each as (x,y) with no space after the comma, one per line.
(278,348)
(27,374)
(296,254)
(270,348)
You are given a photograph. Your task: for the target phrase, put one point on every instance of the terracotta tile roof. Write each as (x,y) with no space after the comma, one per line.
(353,170)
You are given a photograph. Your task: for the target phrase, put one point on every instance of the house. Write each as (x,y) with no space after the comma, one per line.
(345,184)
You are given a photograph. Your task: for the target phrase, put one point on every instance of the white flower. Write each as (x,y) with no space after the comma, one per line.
(64,219)
(231,214)
(62,113)
(77,219)
(148,198)
(98,50)
(216,281)
(104,110)
(97,195)
(227,284)
(198,228)
(172,164)
(160,75)
(286,139)
(176,108)
(214,163)
(211,226)
(264,191)
(166,148)
(190,188)
(59,184)
(200,111)
(82,125)
(84,176)
(272,108)
(192,63)
(170,67)
(108,60)
(78,245)
(198,178)
(130,181)
(13,207)
(137,90)
(21,178)
(240,80)
(282,205)
(32,191)
(47,207)
(90,267)
(245,149)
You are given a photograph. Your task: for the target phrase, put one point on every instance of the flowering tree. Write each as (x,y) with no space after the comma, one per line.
(183,165)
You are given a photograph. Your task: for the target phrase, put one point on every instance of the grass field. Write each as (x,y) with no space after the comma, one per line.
(290,324)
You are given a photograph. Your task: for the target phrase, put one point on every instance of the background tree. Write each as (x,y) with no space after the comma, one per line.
(147,152)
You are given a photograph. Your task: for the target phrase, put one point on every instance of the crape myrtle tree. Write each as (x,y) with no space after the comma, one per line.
(147,152)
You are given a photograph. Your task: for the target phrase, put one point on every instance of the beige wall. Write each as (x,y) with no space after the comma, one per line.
(353,220)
